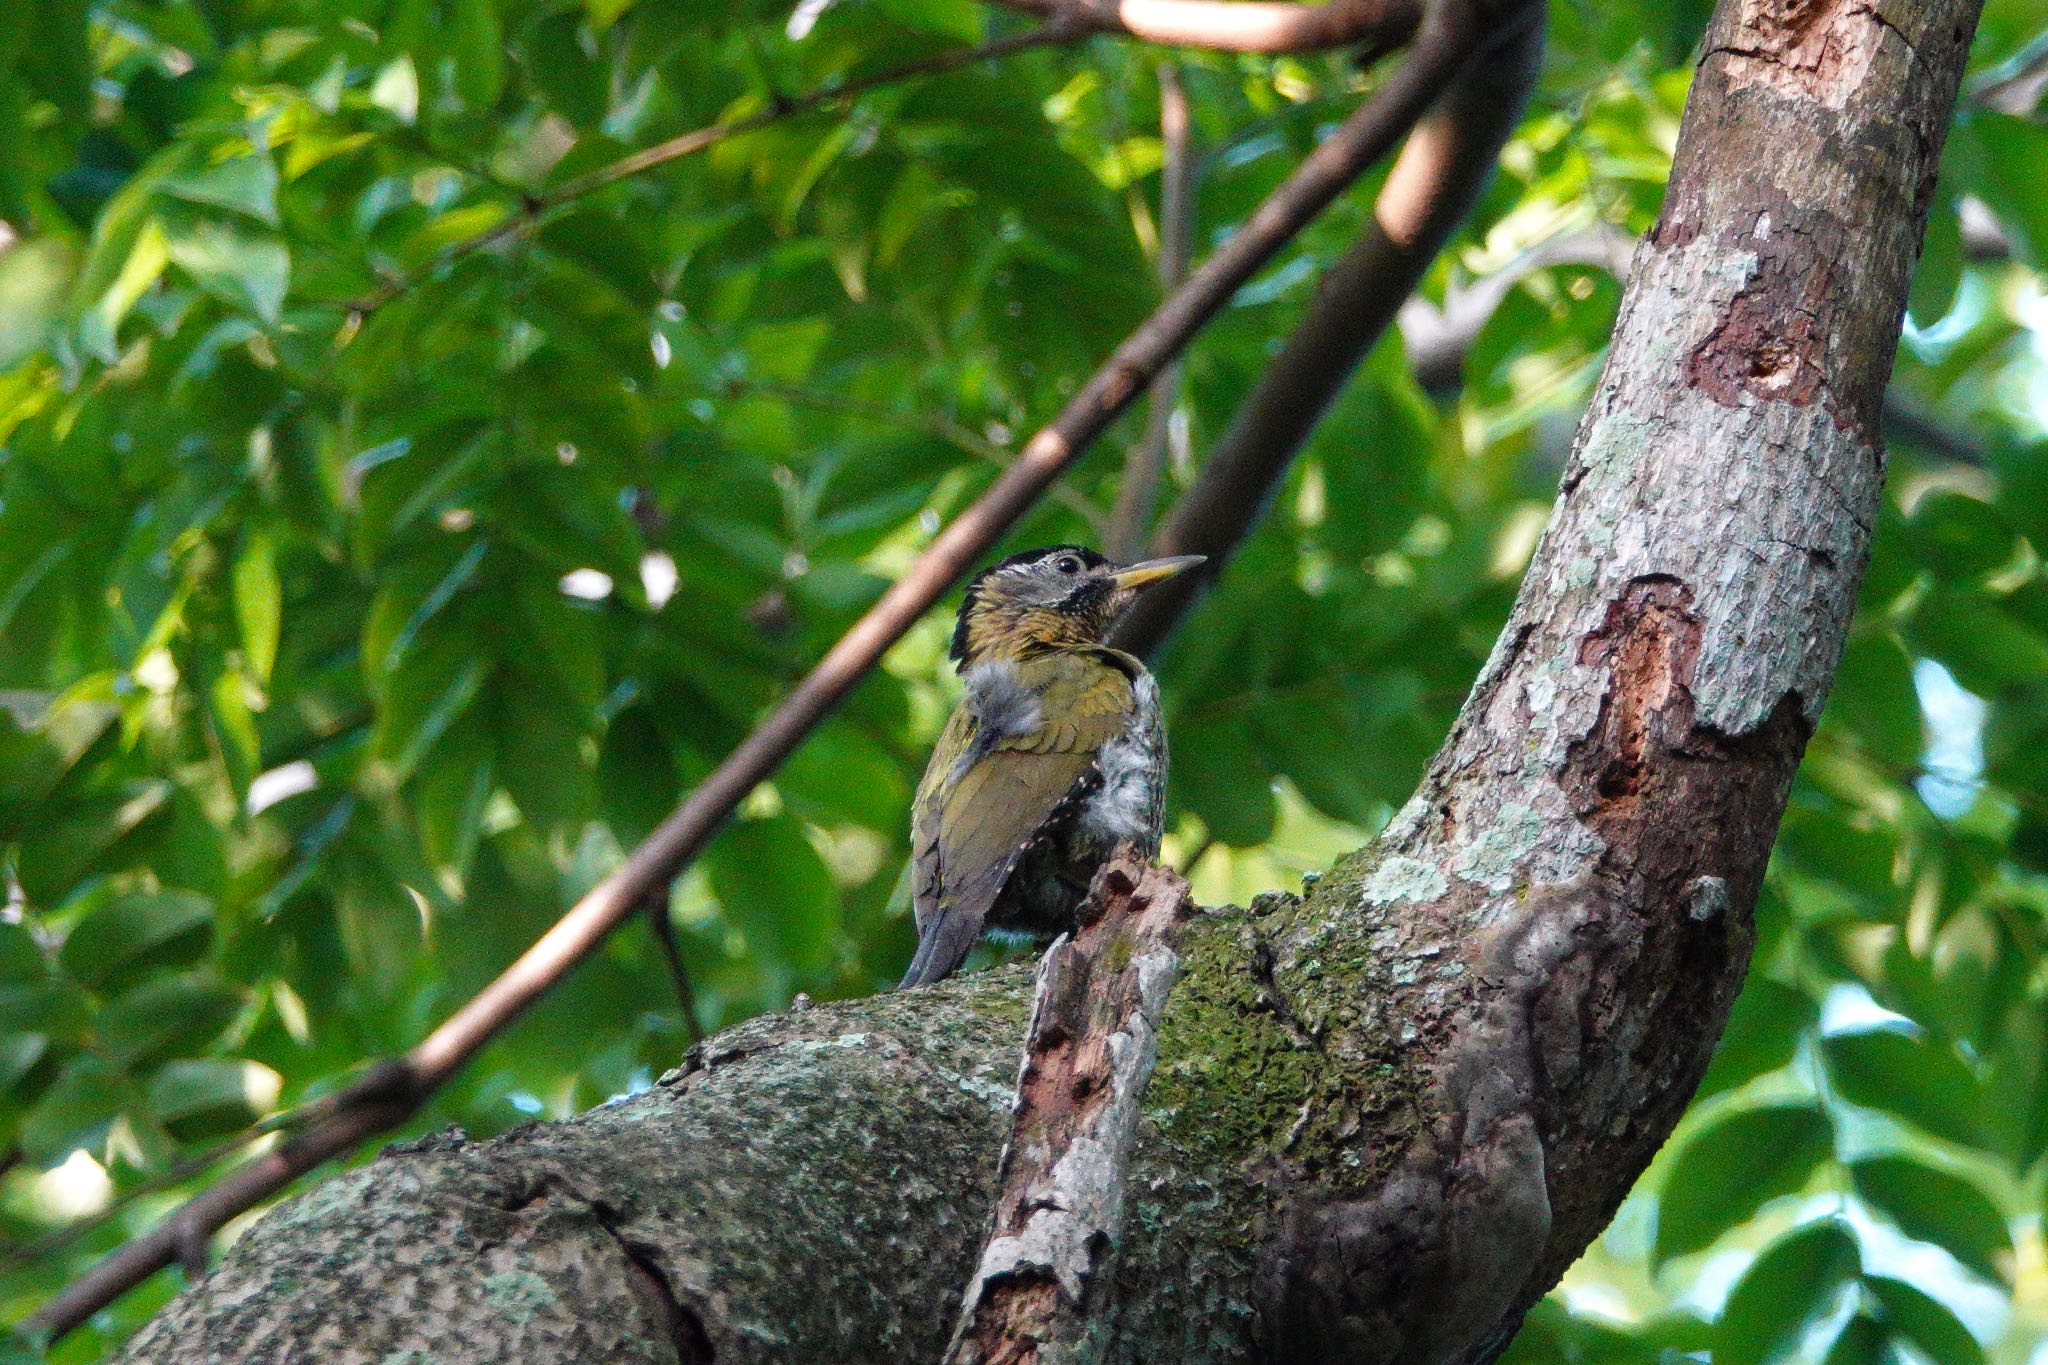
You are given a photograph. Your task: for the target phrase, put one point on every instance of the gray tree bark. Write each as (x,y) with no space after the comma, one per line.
(1387,1114)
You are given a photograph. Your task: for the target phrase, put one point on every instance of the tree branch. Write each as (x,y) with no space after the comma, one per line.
(1039,1292)
(537,206)
(396,1088)
(1239,25)
(1433,185)
(1387,1114)
(1131,518)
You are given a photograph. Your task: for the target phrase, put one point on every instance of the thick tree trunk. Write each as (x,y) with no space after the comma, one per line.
(1386,1115)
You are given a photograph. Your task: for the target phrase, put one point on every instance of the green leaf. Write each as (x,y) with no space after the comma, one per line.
(206,1097)
(1960,537)
(540,756)
(1940,271)
(76,1110)
(957,19)
(244,268)
(774,886)
(636,774)
(1932,1205)
(129,934)
(455,783)
(21,958)
(1980,642)
(1873,700)
(1730,1166)
(477,40)
(167,1016)
(2006,150)
(35,277)
(259,602)
(1911,1076)
(247,184)
(1862,1341)
(1925,1322)
(1763,1033)
(842,776)
(1218,771)
(1793,1285)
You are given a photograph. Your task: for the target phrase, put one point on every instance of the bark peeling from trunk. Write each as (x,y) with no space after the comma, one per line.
(1385,1115)
(1037,1296)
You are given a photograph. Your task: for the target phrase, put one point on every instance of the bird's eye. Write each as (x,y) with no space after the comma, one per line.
(1068,564)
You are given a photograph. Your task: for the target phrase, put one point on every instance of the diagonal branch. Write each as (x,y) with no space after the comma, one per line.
(397,1087)
(1240,25)
(1432,187)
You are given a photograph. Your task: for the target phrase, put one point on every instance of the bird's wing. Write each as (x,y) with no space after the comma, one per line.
(995,778)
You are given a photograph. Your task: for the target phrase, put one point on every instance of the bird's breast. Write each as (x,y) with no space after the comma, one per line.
(1129,799)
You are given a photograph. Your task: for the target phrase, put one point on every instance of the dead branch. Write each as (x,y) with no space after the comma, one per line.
(1088,1054)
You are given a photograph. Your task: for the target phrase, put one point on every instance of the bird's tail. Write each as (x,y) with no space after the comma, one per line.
(943,943)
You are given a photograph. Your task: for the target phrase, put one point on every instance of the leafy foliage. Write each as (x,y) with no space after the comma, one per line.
(364,596)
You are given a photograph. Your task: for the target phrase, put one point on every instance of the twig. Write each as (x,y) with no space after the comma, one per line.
(1432,186)
(204,1214)
(1088,1054)
(1240,25)
(1131,520)
(672,952)
(535,207)
(56,1239)
(931,424)
(395,1088)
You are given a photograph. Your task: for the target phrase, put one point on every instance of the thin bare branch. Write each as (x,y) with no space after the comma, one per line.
(659,920)
(1239,25)
(1131,521)
(396,1088)
(537,207)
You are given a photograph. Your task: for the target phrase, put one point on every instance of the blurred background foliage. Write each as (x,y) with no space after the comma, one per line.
(361,600)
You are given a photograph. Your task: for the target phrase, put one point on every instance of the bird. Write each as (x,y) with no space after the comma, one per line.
(1055,755)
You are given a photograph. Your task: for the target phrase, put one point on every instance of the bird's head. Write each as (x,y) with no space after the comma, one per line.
(1057,598)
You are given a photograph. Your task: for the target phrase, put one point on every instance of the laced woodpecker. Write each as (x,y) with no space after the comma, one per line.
(1056,754)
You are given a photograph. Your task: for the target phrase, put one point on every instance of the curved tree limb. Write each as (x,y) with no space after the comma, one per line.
(1385,1116)
(1240,25)
(395,1088)
(1433,185)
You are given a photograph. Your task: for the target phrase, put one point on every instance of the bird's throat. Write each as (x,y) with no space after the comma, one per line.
(1005,631)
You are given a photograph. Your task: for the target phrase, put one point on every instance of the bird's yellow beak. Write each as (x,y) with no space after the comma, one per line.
(1153,571)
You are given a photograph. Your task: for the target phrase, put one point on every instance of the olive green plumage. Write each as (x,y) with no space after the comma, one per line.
(1054,756)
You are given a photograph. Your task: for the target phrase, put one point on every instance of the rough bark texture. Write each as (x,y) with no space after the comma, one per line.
(1038,1294)
(1384,1115)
